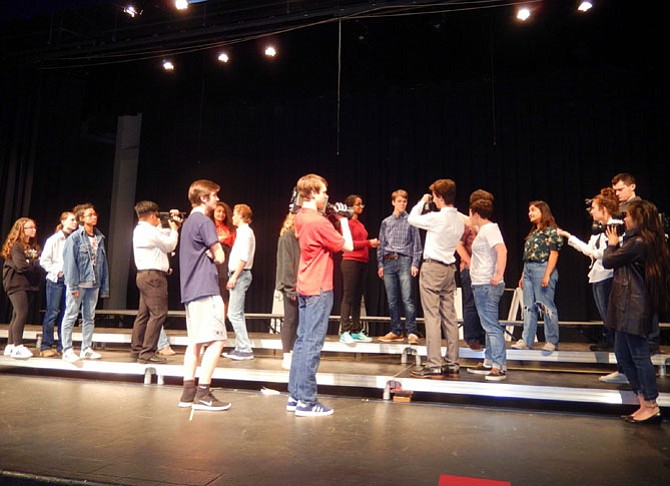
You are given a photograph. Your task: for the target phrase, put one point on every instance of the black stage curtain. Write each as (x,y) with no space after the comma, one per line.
(556,136)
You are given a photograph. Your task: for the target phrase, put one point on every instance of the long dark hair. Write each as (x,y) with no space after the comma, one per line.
(547,218)
(657,258)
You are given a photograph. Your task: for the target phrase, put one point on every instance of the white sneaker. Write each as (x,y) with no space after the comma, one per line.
(286,362)
(520,344)
(70,356)
(346,338)
(88,353)
(21,352)
(8,350)
(615,378)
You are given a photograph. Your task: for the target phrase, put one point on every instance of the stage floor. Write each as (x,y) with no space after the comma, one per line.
(134,434)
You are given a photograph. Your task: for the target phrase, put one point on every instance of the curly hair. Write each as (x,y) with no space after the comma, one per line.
(17,233)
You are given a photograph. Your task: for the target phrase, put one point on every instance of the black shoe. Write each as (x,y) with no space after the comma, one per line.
(452,370)
(653,420)
(154,358)
(434,373)
(601,347)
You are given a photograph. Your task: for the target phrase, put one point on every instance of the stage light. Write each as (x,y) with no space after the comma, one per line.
(523,14)
(132,11)
(270,51)
(181,4)
(585,6)
(168,65)
(223,57)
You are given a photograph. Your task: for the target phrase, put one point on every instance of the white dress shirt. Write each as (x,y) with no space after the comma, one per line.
(151,246)
(444,230)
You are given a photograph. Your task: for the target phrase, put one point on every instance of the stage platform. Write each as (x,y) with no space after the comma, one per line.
(567,378)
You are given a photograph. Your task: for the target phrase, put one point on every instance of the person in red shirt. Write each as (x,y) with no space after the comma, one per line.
(354,266)
(318,240)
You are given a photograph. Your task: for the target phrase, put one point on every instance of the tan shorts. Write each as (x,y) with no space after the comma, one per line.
(205,320)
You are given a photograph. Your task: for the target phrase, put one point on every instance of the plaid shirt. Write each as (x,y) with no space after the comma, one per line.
(396,235)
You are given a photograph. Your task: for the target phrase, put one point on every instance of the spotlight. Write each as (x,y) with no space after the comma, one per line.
(181,4)
(223,57)
(585,6)
(168,65)
(132,11)
(523,14)
(270,51)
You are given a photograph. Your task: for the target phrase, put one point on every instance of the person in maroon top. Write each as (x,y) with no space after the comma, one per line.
(223,223)
(354,266)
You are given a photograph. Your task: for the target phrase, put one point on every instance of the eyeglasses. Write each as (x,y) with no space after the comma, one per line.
(360,204)
(90,215)
(29,227)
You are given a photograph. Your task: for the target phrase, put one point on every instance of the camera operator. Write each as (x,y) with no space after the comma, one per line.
(318,241)
(437,279)
(601,208)
(151,246)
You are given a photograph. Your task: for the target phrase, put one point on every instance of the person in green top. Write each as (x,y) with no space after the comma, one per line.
(540,276)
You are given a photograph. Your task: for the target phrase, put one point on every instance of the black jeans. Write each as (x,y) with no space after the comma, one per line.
(353,278)
(289,329)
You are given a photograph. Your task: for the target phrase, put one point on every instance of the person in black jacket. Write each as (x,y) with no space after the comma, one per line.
(21,277)
(288,258)
(640,289)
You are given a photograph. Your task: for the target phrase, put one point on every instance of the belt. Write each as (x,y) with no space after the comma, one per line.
(153,270)
(393,256)
(431,260)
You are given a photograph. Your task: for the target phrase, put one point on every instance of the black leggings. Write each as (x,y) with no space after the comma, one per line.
(21,302)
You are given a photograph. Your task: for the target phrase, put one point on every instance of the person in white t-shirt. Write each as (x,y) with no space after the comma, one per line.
(487,270)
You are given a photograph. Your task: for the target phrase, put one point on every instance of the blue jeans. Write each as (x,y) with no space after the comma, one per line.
(487,299)
(632,354)
(537,298)
(86,301)
(55,292)
(601,294)
(313,312)
(398,281)
(472,327)
(236,311)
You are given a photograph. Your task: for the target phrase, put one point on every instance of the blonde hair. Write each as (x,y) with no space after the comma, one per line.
(309,184)
(288,225)
(199,188)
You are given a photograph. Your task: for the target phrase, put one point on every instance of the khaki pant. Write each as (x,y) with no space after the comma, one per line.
(437,286)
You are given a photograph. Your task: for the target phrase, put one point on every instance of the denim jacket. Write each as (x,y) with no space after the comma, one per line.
(78,268)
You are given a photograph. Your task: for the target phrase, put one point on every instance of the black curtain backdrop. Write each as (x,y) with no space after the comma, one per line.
(520,125)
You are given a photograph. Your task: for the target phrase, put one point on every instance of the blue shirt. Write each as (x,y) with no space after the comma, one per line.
(396,235)
(198,276)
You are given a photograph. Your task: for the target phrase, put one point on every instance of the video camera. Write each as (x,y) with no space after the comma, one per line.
(336,209)
(617,223)
(430,206)
(166,216)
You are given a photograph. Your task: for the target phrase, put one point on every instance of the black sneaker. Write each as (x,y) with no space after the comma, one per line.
(205,400)
(434,373)
(451,370)
(187,396)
